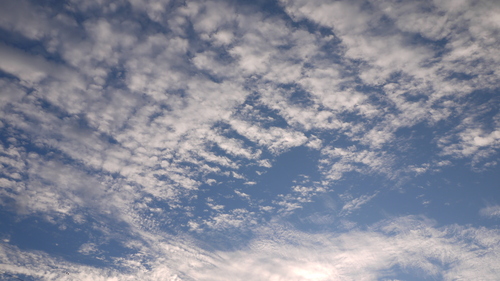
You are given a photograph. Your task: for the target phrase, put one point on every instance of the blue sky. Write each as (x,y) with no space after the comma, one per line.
(249,140)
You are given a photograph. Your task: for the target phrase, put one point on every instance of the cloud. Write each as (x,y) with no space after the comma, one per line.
(276,139)
(134,111)
(32,69)
(405,244)
(476,136)
(87,248)
(24,18)
(356,203)
(472,140)
(174,122)
(338,161)
(490,211)
(237,218)
(390,52)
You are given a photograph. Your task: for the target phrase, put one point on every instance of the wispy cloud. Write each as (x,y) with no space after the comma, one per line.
(392,247)
(356,203)
(490,211)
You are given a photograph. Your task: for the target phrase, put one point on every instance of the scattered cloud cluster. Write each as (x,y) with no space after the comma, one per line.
(164,115)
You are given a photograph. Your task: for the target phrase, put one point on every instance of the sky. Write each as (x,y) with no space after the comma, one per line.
(249,140)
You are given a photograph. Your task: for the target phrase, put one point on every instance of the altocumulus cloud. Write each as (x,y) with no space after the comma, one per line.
(276,140)
(411,244)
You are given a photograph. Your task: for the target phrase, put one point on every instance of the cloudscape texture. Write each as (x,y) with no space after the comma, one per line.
(249,140)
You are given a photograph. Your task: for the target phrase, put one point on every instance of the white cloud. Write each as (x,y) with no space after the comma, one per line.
(314,143)
(471,141)
(338,161)
(88,248)
(405,244)
(32,69)
(242,194)
(237,218)
(276,139)
(110,110)
(388,52)
(356,203)
(22,17)
(490,211)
